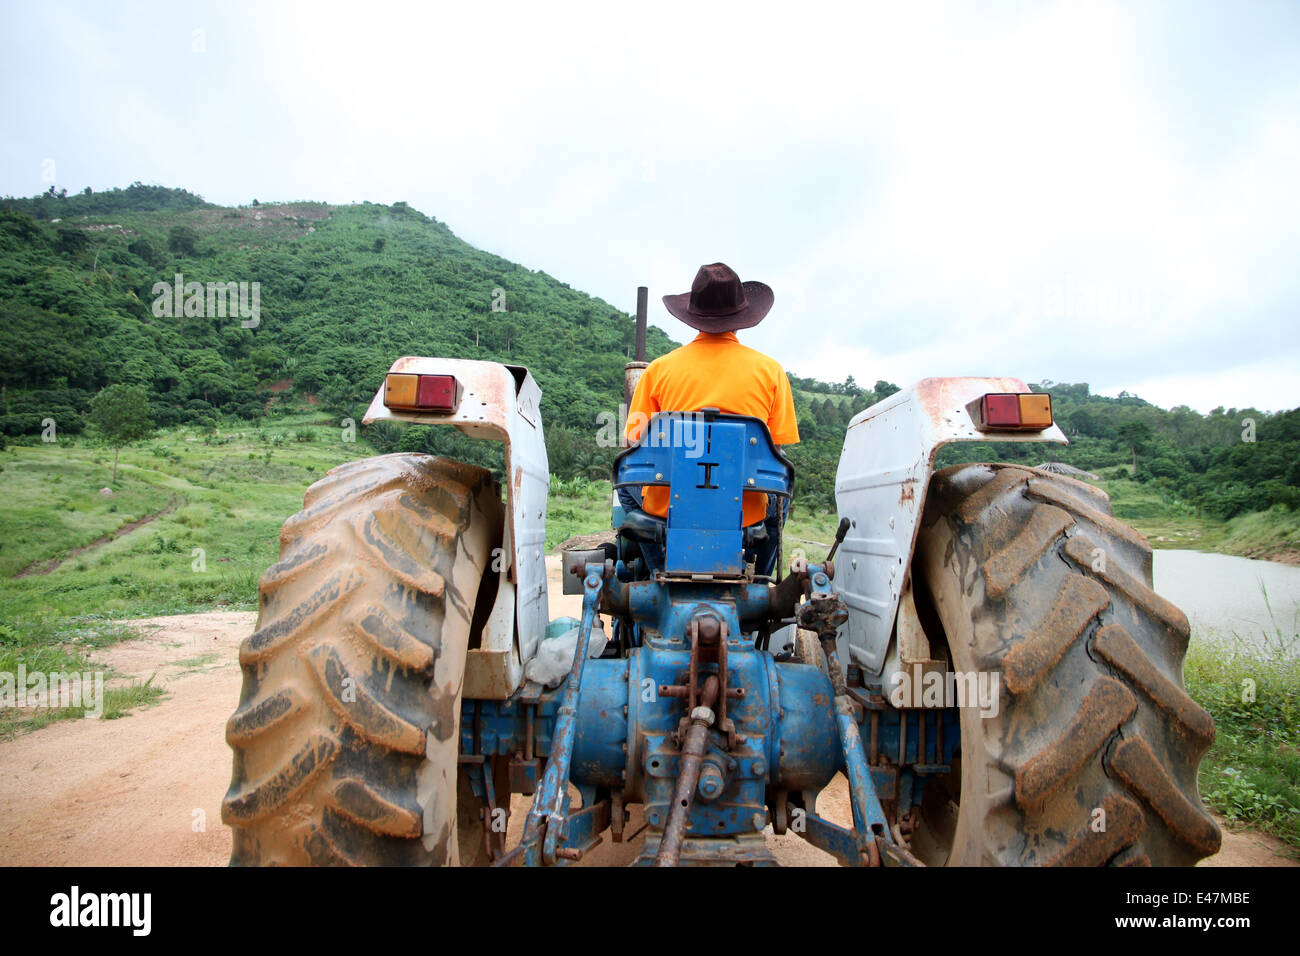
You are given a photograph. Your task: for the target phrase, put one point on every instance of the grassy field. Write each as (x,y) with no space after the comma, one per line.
(1251,775)
(219,498)
(222,498)
(212,506)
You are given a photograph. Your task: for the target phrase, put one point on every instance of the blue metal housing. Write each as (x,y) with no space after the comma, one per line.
(707,460)
(622,729)
(785,727)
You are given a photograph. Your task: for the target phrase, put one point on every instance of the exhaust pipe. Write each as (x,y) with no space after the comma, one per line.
(632,371)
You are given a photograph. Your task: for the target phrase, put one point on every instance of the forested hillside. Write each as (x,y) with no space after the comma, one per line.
(343,290)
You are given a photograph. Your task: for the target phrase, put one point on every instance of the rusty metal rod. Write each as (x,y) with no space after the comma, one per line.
(681,690)
(868,815)
(642,294)
(688,776)
(827,642)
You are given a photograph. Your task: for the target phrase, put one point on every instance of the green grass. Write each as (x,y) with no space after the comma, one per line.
(810,529)
(118,702)
(1251,775)
(52,503)
(232,491)
(577,506)
(1263,533)
(1166,520)
(199,662)
(63,646)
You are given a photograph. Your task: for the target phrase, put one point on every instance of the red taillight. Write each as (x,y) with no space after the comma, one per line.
(1013,411)
(1001,411)
(425,393)
(437,393)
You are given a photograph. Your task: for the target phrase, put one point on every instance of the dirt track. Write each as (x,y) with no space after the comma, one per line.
(146,790)
(45,567)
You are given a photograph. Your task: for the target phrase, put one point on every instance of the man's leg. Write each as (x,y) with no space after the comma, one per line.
(766,553)
(652,554)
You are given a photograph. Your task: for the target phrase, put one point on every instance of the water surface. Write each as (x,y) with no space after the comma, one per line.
(1233,601)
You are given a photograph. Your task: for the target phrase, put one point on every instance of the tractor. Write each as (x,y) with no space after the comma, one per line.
(981,654)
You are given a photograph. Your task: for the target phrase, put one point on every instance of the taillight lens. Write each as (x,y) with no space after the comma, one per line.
(1002,411)
(425,393)
(1036,410)
(1012,411)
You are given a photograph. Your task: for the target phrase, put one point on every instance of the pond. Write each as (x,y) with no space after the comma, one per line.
(1233,601)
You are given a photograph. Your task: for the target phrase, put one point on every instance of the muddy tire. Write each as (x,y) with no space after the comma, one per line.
(345,738)
(1092,757)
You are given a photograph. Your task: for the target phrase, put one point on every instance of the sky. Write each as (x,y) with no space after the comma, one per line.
(1069,192)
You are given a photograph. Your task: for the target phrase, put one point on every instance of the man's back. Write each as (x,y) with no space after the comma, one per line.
(715,371)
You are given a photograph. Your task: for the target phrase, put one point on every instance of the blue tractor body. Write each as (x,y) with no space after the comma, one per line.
(688,713)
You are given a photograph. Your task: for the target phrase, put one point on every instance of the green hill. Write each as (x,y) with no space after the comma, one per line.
(343,290)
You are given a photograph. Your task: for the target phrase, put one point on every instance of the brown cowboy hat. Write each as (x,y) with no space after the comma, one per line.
(720,302)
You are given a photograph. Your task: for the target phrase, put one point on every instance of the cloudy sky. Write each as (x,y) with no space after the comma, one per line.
(1090,192)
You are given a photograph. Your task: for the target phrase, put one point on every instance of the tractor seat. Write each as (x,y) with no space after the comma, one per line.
(709,461)
(645,528)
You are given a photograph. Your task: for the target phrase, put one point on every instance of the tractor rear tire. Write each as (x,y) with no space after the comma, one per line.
(1091,758)
(346,738)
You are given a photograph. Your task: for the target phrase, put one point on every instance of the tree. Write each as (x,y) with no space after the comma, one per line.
(1135,435)
(120,415)
(143,248)
(72,240)
(209,377)
(884,389)
(181,239)
(511,331)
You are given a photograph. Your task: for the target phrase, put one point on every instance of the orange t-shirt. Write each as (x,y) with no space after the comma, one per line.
(715,371)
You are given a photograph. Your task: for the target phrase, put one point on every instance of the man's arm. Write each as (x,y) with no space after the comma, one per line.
(783,422)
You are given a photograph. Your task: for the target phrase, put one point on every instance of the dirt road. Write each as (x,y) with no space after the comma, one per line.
(146,790)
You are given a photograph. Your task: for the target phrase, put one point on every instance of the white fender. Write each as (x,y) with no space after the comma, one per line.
(499,403)
(880,486)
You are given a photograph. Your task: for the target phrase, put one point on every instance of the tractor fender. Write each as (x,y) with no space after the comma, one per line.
(880,486)
(499,403)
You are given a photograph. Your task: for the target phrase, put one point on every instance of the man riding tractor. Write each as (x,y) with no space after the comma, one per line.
(714,371)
